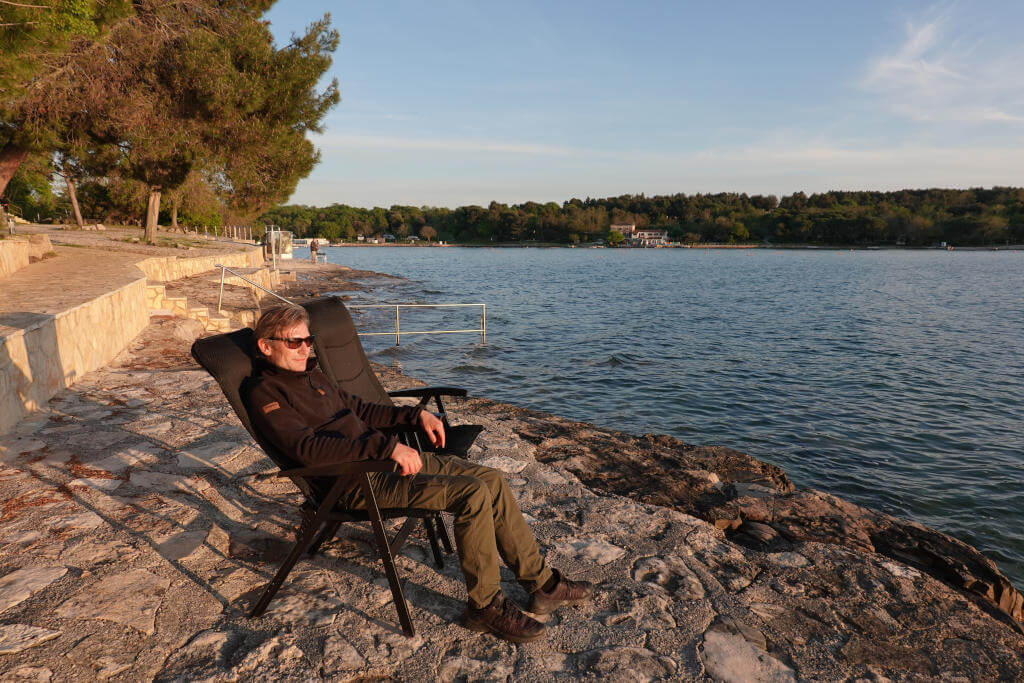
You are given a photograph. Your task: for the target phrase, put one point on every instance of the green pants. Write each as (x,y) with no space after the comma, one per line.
(488,522)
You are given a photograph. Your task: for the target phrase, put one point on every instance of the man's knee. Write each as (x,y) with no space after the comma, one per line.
(474,498)
(493,479)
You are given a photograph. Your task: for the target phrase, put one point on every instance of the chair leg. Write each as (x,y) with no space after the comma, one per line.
(307,531)
(434,547)
(306,534)
(328,532)
(385,555)
(442,531)
(399,540)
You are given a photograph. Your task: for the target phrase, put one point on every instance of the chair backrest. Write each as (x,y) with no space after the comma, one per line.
(340,352)
(229,359)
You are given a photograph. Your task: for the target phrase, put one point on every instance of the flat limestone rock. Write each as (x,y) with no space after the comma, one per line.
(340,655)
(182,545)
(21,584)
(162,482)
(671,574)
(505,464)
(17,637)
(591,549)
(92,655)
(131,599)
(214,455)
(78,520)
(40,674)
(735,652)
(12,447)
(130,456)
(627,663)
(95,483)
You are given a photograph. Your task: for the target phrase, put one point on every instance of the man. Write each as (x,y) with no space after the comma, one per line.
(296,407)
(314,247)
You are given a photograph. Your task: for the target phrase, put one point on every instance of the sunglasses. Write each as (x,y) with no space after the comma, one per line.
(295,342)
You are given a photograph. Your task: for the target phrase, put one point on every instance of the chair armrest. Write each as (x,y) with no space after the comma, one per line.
(340,468)
(427,392)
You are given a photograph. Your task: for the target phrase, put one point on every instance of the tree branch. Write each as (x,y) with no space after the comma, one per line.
(19,4)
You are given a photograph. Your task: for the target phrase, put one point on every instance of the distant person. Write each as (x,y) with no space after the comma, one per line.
(295,407)
(314,248)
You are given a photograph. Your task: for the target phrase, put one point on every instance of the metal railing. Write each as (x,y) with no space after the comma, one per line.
(223,269)
(482,330)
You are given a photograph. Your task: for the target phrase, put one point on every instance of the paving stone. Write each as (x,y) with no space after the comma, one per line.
(91,553)
(13,447)
(181,545)
(77,520)
(131,599)
(214,455)
(204,657)
(158,481)
(93,655)
(95,483)
(17,637)
(22,537)
(22,584)
(130,456)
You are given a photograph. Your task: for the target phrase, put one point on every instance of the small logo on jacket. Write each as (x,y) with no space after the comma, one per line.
(271,407)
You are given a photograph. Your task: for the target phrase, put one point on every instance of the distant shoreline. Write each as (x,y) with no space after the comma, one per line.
(777,247)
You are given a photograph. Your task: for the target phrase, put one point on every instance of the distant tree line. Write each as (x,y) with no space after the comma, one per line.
(185,109)
(910,217)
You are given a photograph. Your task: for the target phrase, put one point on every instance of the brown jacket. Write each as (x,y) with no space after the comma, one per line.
(311,421)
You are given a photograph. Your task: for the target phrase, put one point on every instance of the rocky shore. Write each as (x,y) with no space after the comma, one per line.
(139,521)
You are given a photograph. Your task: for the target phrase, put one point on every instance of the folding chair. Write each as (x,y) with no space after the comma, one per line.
(229,359)
(341,357)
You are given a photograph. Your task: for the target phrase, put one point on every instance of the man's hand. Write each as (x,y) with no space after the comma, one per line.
(433,427)
(408,459)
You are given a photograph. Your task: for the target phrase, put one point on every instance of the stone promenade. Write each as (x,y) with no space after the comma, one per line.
(139,522)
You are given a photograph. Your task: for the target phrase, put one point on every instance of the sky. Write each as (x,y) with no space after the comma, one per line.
(456,102)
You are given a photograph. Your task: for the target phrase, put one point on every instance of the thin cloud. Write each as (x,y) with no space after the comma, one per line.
(948,70)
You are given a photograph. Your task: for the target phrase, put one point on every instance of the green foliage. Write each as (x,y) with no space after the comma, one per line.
(615,238)
(30,190)
(910,217)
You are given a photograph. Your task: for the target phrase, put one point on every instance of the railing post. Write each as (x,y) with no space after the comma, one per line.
(398,335)
(483,324)
(220,299)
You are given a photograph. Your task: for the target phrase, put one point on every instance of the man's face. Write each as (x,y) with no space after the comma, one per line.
(278,353)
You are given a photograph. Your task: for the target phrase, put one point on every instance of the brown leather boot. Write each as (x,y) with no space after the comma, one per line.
(504,619)
(565,592)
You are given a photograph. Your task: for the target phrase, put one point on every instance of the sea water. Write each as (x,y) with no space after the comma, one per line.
(891,378)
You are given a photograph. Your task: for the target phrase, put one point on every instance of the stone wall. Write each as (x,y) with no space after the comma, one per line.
(45,353)
(13,256)
(174,268)
(53,351)
(17,252)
